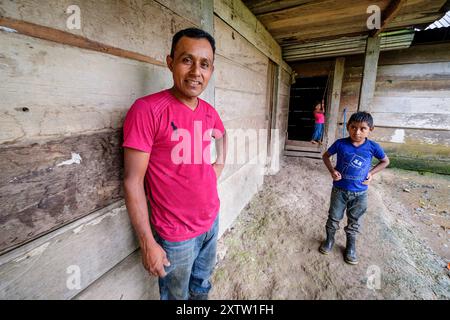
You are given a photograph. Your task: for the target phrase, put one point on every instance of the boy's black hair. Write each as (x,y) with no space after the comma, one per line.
(192,33)
(361,116)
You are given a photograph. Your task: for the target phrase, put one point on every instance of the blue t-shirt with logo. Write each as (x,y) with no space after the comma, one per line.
(354,163)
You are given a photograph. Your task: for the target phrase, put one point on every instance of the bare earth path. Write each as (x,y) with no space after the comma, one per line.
(271,251)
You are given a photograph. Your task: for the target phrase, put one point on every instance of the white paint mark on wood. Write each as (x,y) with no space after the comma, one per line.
(35,252)
(113,213)
(78,230)
(2,28)
(76,158)
(399,136)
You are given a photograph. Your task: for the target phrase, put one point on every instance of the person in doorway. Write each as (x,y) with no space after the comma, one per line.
(167,136)
(351,178)
(319,123)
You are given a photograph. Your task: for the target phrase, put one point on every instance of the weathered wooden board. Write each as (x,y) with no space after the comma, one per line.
(422,53)
(369,74)
(61,264)
(411,136)
(230,75)
(61,92)
(263,6)
(332,113)
(414,88)
(412,120)
(285,76)
(126,281)
(413,71)
(236,104)
(233,46)
(191,10)
(291,21)
(413,105)
(239,17)
(431,70)
(308,13)
(237,190)
(45,186)
(140,26)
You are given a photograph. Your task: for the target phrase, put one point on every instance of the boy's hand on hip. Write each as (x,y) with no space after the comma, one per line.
(336,175)
(368,179)
(154,259)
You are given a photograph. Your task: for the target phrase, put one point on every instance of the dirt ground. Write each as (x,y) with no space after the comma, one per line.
(271,252)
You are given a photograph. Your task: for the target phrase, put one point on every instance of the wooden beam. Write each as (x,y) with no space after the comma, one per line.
(369,74)
(333,111)
(62,37)
(389,14)
(243,21)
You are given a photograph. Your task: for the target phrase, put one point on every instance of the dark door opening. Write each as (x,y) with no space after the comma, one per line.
(304,93)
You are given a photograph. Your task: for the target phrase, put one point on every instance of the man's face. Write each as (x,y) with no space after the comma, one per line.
(191,66)
(358,131)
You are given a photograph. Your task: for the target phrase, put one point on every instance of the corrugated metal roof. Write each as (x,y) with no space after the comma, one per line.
(444,22)
(392,40)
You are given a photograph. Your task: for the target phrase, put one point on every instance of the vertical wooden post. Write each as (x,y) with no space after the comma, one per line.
(333,111)
(369,74)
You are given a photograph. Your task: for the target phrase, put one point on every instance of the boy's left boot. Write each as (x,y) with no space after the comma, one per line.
(350,250)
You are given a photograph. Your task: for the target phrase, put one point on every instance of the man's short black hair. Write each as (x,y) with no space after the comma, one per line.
(192,33)
(362,116)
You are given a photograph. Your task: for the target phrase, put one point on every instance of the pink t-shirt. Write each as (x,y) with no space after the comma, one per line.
(180,181)
(319,117)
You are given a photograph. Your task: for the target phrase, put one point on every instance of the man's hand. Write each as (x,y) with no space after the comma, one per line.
(218,169)
(154,259)
(336,175)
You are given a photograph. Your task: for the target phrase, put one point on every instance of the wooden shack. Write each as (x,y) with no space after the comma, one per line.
(65,232)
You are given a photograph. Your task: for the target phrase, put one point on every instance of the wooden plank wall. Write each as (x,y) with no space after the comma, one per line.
(411,106)
(240,98)
(61,114)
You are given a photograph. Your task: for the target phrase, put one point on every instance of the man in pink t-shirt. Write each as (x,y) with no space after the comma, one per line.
(167,137)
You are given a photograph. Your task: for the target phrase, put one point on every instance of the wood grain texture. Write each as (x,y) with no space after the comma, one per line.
(336,88)
(128,280)
(65,90)
(370,71)
(239,17)
(87,248)
(45,186)
(140,26)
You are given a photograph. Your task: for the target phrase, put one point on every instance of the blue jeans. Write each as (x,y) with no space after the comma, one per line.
(355,203)
(318,131)
(191,265)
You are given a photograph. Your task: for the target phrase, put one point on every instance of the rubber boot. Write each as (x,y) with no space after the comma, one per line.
(327,245)
(350,250)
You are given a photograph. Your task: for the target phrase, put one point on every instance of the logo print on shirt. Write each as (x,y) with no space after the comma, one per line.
(357,162)
(354,169)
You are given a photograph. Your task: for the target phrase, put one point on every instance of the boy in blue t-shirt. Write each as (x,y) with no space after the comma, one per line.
(351,177)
